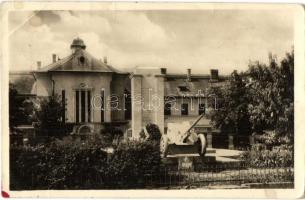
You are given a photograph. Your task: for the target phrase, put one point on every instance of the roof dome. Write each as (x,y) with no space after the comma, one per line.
(78,43)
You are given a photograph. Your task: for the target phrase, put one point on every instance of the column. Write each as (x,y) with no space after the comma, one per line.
(136,111)
(79,106)
(159,110)
(209,138)
(231,142)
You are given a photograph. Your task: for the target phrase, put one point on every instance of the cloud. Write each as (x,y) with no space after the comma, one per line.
(31,45)
(224,39)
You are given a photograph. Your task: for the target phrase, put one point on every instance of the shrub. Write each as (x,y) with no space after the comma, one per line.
(153,131)
(278,156)
(270,139)
(110,133)
(82,165)
(49,117)
(131,160)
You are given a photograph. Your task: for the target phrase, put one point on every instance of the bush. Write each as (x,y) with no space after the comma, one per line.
(260,156)
(133,159)
(82,165)
(153,131)
(270,139)
(49,117)
(110,133)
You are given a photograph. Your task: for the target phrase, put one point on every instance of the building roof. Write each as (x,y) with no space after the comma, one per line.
(79,61)
(72,63)
(182,87)
(178,85)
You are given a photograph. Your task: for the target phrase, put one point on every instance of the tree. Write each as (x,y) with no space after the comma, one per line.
(272,91)
(232,115)
(49,116)
(258,100)
(17,113)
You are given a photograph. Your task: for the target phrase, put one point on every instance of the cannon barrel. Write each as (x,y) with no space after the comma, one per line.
(188,133)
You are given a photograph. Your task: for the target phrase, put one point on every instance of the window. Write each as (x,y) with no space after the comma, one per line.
(167,108)
(82,106)
(82,100)
(77,105)
(184,109)
(184,88)
(89,106)
(63,101)
(102,106)
(129,133)
(127,97)
(201,108)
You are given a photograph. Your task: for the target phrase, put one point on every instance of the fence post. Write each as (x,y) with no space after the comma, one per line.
(231,142)
(209,139)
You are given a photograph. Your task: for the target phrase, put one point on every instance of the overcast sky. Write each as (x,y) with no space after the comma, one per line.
(201,40)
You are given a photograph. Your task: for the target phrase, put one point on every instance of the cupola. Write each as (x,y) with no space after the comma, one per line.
(77,44)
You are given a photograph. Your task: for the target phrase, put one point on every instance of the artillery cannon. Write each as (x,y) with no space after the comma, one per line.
(183,134)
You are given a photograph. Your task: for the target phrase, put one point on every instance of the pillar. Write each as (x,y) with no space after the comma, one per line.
(159,108)
(136,111)
(209,138)
(231,142)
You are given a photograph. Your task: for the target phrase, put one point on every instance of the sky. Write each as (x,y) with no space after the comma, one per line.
(176,39)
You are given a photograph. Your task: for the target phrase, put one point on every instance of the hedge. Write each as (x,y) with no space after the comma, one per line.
(58,166)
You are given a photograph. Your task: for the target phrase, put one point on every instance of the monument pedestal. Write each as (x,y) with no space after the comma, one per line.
(188,162)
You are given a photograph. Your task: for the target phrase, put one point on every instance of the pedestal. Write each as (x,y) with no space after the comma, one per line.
(209,140)
(186,163)
(231,143)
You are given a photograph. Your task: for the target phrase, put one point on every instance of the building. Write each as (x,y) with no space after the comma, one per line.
(95,93)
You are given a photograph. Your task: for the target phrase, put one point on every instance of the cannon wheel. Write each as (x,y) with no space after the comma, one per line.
(202,144)
(163,146)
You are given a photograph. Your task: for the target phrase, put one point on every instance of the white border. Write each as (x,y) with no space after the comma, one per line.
(219,193)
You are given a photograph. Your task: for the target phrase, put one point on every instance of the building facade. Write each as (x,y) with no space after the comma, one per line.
(94,93)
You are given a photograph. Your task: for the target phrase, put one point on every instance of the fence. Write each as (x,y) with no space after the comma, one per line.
(205,176)
(221,175)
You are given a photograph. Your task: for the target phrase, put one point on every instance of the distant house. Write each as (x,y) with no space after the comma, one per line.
(94,93)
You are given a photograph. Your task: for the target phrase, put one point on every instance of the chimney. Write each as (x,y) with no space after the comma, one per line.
(38,64)
(105,60)
(54,58)
(188,76)
(163,71)
(214,74)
